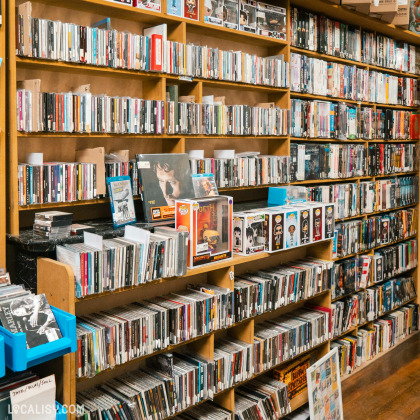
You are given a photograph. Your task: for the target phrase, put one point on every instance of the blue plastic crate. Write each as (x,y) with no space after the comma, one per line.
(2,361)
(61,412)
(19,358)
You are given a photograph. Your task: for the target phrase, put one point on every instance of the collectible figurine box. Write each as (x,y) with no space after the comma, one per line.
(248,232)
(317,218)
(248,16)
(291,232)
(274,229)
(209,223)
(305,223)
(213,12)
(329,220)
(230,14)
(271,21)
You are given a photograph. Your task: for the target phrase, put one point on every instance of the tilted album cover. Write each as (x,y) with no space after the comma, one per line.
(33,316)
(164,178)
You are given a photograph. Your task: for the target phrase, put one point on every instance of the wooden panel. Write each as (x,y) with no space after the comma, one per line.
(3,137)
(226,399)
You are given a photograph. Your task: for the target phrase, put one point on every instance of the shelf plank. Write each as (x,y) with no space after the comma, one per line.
(81,68)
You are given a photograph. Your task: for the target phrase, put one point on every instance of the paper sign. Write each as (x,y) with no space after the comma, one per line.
(35,401)
(35,158)
(93,240)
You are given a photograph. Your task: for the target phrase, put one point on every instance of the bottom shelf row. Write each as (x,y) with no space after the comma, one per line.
(264,378)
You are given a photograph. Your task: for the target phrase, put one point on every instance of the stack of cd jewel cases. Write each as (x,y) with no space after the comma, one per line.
(52,224)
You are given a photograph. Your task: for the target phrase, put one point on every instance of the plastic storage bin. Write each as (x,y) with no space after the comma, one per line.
(19,358)
(61,412)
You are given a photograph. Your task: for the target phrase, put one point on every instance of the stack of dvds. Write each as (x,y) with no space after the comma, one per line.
(386,159)
(310,161)
(361,235)
(348,354)
(86,113)
(368,123)
(386,52)
(348,313)
(324,35)
(385,333)
(331,120)
(394,260)
(232,120)
(392,124)
(99,45)
(320,77)
(159,322)
(141,394)
(52,224)
(123,262)
(285,337)
(243,170)
(396,192)
(56,182)
(206,411)
(269,289)
(344,196)
(121,168)
(233,360)
(262,398)
(350,275)
(389,295)
(388,89)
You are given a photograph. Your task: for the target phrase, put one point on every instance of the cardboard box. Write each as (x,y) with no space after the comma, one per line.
(361,6)
(384,6)
(402,17)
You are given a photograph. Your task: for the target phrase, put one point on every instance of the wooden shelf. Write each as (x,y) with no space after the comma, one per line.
(148,76)
(221,273)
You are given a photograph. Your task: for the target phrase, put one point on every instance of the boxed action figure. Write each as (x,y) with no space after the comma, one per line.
(248,232)
(230,14)
(317,215)
(191,9)
(248,16)
(305,223)
(209,223)
(213,12)
(274,229)
(148,5)
(291,232)
(271,21)
(329,223)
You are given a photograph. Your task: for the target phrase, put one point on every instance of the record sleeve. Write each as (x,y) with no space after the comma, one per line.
(121,198)
(33,316)
(164,178)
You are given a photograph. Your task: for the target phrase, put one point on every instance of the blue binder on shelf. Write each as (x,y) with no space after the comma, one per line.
(19,358)
(61,412)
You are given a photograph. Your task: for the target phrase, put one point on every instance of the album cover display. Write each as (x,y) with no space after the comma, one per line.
(121,199)
(31,315)
(164,178)
(204,185)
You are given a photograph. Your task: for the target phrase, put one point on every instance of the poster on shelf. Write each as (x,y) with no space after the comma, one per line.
(324,388)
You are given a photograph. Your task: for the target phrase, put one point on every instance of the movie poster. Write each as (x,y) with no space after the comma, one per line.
(324,388)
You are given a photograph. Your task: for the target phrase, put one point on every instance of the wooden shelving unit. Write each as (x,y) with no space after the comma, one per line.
(3,208)
(57,280)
